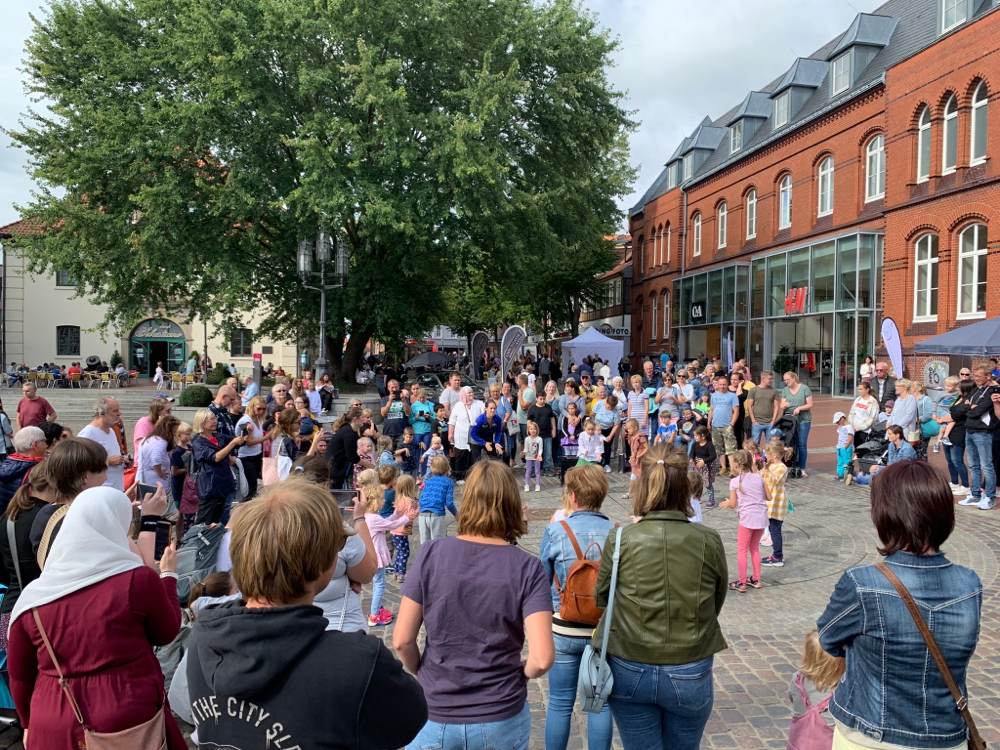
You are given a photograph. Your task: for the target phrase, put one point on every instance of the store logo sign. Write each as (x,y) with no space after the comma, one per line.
(698,312)
(609,330)
(795,300)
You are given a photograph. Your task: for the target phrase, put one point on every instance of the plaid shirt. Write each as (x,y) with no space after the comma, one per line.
(775,475)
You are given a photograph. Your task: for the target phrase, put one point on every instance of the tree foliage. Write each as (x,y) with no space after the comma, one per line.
(190,144)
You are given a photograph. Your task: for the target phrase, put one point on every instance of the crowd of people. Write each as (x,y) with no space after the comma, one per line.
(272,640)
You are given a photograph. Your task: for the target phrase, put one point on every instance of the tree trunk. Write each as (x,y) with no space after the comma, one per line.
(573,303)
(352,354)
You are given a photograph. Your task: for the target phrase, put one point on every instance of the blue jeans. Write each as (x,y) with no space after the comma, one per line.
(687,446)
(777,549)
(955,456)
(547,454)
(759,430)
(979,446)
(509,734)
(563,679)
(660,706)
(378,589)
(804,428)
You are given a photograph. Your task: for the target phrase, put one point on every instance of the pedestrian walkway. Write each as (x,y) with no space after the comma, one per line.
(829,531)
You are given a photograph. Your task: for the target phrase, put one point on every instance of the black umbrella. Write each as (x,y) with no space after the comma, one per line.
(428,359)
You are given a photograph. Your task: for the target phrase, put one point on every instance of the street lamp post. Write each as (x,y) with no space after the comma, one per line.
(324,254)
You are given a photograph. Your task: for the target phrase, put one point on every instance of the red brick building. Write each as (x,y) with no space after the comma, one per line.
(869,164)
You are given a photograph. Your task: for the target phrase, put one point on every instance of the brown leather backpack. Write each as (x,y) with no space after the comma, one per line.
(576,597)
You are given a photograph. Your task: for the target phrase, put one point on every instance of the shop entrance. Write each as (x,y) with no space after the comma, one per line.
(155,341)
(809,341)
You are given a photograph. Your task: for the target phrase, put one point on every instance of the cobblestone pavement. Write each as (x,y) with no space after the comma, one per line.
(829,532)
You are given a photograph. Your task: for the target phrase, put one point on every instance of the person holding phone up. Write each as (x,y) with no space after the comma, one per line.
(216,486)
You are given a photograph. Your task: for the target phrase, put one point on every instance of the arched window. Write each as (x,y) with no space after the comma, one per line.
(666,314)
(751,214)
(926,294)
(723,220)
(826,186)
(652,328)
(980,123)
(658,249)
(949,154)
(972,272)
(785,202)
(924,146)
(696,235)
(875,183)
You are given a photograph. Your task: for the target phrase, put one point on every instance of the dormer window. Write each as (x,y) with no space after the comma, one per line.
(841,73)
(672,176)
(736,137)
(953,13)
(781,110)
(688,166)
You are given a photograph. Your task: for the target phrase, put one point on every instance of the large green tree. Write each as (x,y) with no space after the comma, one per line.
(186,146)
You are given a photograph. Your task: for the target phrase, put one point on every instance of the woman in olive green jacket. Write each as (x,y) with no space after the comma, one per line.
(665,627)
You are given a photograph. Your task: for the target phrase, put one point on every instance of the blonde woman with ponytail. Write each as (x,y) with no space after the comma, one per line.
(664,629)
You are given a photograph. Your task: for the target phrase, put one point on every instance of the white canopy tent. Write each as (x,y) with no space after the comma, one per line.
(589,343)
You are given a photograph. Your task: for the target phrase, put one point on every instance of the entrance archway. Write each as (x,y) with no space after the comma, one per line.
(156,340)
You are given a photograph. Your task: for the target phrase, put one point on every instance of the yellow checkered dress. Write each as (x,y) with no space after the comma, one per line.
(774,475)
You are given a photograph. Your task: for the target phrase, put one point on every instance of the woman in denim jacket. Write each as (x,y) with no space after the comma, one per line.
(587,487)
(893,694)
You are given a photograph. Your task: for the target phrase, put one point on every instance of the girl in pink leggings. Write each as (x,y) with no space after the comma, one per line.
(749,494)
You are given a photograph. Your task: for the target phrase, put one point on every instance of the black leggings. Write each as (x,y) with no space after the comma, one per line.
(606,456)
(210,509)
(252,469)
(463,460)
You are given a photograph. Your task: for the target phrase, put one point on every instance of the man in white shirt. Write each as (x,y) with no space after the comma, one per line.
(107,413)
(452,394)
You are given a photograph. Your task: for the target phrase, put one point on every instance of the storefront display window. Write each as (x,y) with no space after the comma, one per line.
(776,283)
(822,286)
(742,292)
(729,303)
(847,249)
(715,292)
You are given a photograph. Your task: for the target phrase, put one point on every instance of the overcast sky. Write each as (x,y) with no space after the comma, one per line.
(679,61)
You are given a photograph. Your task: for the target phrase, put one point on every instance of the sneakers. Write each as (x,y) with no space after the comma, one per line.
(384,617)
(527,488)
(538,488)
(772,562)
(607,469)
(970,500)
(710,504)
(460,482)
(960,490)
(766,541)
(944,441)
(987,504)
(848,478)
(937,447)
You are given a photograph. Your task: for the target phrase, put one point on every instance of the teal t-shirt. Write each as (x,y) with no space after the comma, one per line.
(421,417)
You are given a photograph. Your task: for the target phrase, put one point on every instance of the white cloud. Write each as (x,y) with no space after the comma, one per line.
(679,61)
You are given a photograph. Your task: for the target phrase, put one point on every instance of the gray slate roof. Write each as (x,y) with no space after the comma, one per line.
(914,27)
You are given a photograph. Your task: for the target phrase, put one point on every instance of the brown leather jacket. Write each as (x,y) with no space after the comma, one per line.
(672,580)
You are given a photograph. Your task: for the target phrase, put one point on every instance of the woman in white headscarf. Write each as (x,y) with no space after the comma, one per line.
(463,415)
(102,610)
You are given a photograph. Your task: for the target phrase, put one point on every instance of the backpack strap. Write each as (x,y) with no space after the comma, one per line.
(576,548)
(50,527)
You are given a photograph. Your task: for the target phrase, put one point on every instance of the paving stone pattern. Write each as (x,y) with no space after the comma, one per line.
(829,531)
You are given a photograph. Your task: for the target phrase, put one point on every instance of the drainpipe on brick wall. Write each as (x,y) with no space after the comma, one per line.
(684,236)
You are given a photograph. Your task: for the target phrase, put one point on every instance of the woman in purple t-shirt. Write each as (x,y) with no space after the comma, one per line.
(471,669)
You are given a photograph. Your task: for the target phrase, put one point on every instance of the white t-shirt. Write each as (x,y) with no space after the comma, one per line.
(153,452)
(315,402)
(116,474)
(463,418)
(531,380)
(258,432)
(342,606)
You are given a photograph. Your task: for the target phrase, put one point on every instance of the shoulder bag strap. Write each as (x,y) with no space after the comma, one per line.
(975,741)
(609,612)
(63,682)
(50,527)
(13,553)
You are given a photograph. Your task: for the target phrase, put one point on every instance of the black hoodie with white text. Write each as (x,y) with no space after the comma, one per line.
(276,678)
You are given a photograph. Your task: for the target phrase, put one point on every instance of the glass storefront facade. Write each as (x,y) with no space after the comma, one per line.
(814,309)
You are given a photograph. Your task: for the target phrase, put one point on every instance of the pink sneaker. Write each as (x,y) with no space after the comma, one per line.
(384,616)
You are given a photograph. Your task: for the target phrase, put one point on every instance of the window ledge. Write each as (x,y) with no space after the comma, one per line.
(874,198)
(925,319)
(970,316)
(824,213)
(979,161)
(945,172)
(922,180)
(751,236)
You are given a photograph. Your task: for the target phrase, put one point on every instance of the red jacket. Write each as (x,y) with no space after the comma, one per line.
(103,637)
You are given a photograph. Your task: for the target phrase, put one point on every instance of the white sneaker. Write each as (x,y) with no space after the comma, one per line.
(956,488)
(986,504)
(527,488)
(766,542)
(538,488)
(607,469)
(460,482)
(960,490)
(970,500)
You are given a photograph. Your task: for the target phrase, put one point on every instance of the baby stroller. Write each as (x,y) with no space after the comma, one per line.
(786,429)
(873,451)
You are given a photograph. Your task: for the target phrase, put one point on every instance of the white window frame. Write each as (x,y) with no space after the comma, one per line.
(979,109)
(785,202)
(656,297)
(666,313)
(736,137)
(843,75)
(976,252)
(875,168)
(696,236)
(751,214)
(924,136)
(672,175)
(929,264)
(688,166)
(781,105)
(670,233)
(825,207)
(723,219)
(957,6)
(950,121)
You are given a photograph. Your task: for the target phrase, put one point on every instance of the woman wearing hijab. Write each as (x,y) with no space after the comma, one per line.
(102,610)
